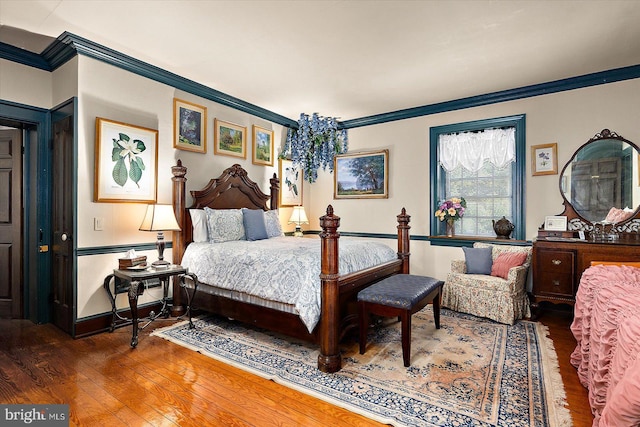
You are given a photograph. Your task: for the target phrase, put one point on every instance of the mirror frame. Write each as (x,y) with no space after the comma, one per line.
(575,221)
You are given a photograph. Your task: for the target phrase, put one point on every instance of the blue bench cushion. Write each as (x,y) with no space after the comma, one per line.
(400,290)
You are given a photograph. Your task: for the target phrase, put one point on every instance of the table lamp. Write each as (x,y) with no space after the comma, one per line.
(298,216)
(160,218)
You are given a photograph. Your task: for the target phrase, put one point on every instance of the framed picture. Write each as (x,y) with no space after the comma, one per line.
(555,223)
(262,146)
(544,159)
(126,161)
(290,184)
(189,126)
(362,175)
(229,139)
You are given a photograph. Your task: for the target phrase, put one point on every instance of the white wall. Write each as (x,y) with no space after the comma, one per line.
(115,94)
(25,85)
(567,118)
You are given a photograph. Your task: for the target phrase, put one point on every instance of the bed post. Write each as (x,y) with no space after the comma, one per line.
(403,239)
(275,192)
(179,208)
(329,359)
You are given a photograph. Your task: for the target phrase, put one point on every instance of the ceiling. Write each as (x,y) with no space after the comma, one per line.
(348,59)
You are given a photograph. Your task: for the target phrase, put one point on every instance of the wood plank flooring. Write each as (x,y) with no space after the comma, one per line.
(107,383)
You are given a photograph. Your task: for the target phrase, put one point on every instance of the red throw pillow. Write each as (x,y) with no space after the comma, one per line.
(505,261)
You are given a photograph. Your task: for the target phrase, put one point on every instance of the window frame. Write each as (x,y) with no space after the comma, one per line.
(518,179)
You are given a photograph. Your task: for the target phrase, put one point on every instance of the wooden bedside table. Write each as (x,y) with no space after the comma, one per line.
(132,281)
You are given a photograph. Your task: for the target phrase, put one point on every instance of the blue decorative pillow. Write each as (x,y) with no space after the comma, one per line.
(255,227)
(478,260)
(224,225)
(272,220)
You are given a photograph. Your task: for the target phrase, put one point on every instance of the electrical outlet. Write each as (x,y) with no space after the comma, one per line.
(98,224)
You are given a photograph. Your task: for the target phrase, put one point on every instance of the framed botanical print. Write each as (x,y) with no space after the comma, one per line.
(189,126)
(230,139)
(262,146)
(544,159)
(126,162)
(362,175)
(290,184)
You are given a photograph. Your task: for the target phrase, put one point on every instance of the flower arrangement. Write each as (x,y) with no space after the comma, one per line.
(314,144)
(451,209)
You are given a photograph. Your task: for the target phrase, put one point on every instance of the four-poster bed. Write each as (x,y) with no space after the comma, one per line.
(338,311)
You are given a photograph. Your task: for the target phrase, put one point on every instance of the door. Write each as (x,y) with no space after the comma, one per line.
(62,208)
(11,301)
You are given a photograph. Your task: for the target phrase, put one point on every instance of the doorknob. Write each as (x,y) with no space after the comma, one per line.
(64,237)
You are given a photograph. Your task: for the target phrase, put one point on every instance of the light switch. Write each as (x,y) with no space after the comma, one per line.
(98,224)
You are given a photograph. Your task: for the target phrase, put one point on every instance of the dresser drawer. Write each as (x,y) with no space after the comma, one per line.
(553,284)
(554,261)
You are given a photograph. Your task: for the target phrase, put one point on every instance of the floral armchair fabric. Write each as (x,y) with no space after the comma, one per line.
(504,301)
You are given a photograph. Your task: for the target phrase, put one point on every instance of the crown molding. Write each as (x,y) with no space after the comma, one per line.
(24,57)
(68,45)
(593,79)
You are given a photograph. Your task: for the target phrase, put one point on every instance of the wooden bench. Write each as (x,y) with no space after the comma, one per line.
(399,295)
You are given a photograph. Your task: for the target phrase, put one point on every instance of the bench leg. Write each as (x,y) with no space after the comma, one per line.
(364,325)
(436,309)
(406,337)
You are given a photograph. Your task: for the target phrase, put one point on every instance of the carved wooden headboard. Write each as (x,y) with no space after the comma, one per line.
(231,190)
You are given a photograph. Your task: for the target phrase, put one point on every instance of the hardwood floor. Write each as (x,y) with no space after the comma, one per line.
(107,383)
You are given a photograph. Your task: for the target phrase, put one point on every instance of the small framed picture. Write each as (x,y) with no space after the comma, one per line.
(229,139)
(555,223)
(262,146)
(362,175)
(544,159)
(189,126)
(126,161)
(290,184)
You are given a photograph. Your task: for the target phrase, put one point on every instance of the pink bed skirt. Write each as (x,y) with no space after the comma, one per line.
(606,326)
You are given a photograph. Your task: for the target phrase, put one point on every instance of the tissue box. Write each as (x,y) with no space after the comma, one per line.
(131,262)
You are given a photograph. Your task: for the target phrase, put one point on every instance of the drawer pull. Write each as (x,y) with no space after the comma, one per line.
(556,262)
(555,282)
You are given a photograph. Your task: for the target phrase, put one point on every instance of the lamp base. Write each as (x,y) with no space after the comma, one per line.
(160,264)
(298,232)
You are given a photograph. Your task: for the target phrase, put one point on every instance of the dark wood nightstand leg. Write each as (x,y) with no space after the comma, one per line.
(112,299)
(183,284)
(136,289)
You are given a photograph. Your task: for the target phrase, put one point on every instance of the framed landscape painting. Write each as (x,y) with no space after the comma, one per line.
(230,139)
(290,184)
(362,175)
(262,146)
(126,161)
(189,126)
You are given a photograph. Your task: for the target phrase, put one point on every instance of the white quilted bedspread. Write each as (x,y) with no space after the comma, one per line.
(282,269)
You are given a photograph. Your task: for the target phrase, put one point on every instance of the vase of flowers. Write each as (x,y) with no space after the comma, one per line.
(450,211)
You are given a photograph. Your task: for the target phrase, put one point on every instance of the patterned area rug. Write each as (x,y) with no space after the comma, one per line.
(471,372)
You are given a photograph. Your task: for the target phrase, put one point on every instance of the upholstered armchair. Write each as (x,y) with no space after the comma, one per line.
(503,299)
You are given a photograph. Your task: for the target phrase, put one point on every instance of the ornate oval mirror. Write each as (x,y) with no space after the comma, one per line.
(601,175)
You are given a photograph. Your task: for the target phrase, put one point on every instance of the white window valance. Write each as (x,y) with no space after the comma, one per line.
(472,149)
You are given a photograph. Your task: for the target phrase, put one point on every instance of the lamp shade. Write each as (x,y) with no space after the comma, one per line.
(159,218)
(298,216)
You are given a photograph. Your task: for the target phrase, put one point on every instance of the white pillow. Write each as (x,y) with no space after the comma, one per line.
(199,222)
(272,221)
(224,225)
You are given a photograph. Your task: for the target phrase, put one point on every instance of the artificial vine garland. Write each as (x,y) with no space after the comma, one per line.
(314,144)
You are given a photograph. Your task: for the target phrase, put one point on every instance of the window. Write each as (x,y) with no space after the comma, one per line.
(491,183)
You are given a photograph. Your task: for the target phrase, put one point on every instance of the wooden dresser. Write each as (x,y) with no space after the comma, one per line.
(601,193)
(558,263)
